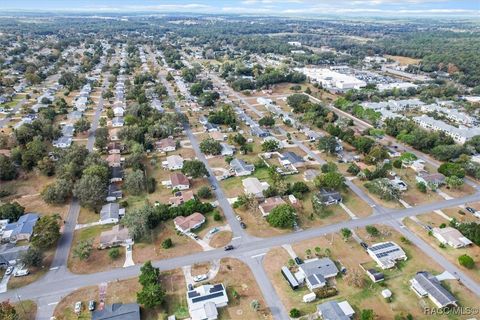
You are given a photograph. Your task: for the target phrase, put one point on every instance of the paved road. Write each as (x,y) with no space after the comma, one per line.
(50,290)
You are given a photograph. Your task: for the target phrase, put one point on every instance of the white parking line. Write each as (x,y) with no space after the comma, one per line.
(53,303)
(53,268)
(235,238)
(259,255)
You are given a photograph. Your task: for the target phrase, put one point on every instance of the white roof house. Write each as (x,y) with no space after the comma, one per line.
(333,310)
(424,284)
(451,236)
(203,301)
(173,162)
(316,272)
(460,134)
(254,186)
(62,142)
(386,254)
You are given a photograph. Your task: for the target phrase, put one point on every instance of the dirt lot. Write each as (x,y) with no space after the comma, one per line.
(221,239)
(404,61)
(350,255)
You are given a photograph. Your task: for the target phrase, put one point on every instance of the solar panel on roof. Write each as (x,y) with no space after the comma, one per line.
(193,294)
(216,288)
(208,297)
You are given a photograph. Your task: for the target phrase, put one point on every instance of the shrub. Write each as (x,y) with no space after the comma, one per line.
(466,261)
(204,192)
(167,243)
(295,313)
(372,230)
(217,216)
(114,253)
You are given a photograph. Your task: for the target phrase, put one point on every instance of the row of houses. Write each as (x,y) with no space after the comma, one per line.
(460,134)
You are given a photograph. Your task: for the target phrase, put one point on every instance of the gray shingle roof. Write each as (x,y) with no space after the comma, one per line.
(118,311)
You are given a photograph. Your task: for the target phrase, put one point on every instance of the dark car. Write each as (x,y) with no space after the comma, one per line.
(243,225)
(471,210)
(298,260)
(91,305)
(229,247)
(190,287)
(364,245)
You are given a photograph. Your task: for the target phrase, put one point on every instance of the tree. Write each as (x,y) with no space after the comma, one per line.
(330,180)
(46,232)
(83,249)
(46,166)
(297,101)
(33,257)
(194,169)
(294,313)
(267,121)
(152,293)
(7,311)
(167,243)
(91,191)
(270,145)
(329,167)
(346,233)
(7,169)
(452,169)
(372,230)
(204,192)
(58,192)
(82,125)
(114,253)
(384,189)
(282,216)
(454,182)
(210,146)
(101,138)
(328,144)
(11,211)
(139,222)
(367,314)
(466,261)
(135,182)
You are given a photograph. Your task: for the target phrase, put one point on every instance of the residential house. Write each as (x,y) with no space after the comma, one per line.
(431,180)
(398,183)
(179,181)
(117,122)
(114,193)
(227,150)
(315,272)
(68,130)
(418,165)
(111,213)
(114,160)
(218,136)
(269,204)
(258,132)
(166,145)
(117,311)
(393,152)
(375,275)
(254,186)
(210,127)
(191,222)
(241,168)
(424,284)
(118,111)
(118,236)
(116,174)
(181,197)
(114,147)
(75,115)
(204,301)
(312,135)
(327,197)
(386,254)
(62,142)
(173,162)
(291,160)
(333,310)
(21,229)
(10,254)
(451,236)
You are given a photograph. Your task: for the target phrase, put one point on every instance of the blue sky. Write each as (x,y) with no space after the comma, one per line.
(267,7)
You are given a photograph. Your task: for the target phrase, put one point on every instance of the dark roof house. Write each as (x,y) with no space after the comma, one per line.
(118,311)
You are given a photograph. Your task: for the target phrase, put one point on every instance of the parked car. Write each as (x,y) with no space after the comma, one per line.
(9,270)
(229,247)
(243,225)
(91,305)
(298,261)
(238,218)
(214,230)
(471,210)
(364,245)
(200,277)
(21,273)
(190,287)
(78,307)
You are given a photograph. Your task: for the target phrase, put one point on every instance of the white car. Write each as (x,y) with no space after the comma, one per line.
(9,270)
(200,277)
(239,218)
(21,273)
(78,307)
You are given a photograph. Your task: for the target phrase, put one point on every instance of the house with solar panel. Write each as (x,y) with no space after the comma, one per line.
(316,272)
(204,301)
(386,254)
(424,284)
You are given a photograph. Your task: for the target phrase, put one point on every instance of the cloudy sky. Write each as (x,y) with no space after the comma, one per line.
(276,7)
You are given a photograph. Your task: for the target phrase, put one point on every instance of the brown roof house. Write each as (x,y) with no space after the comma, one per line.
(269,204)
(114,160)
(185,224)
(179,181)
(181,197)
(118,236)
(165,145)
